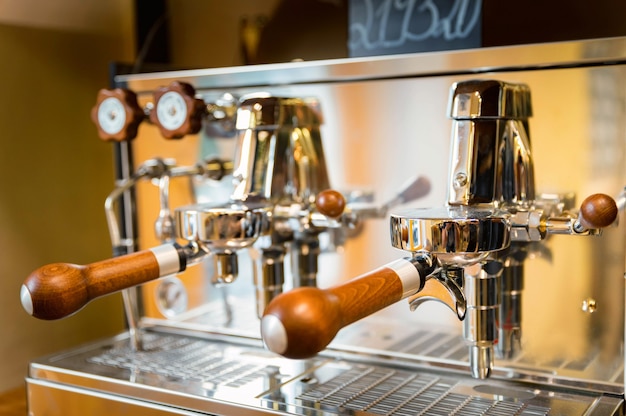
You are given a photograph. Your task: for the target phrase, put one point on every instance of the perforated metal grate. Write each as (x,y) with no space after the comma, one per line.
(392,392)
(184,359)
(452,346)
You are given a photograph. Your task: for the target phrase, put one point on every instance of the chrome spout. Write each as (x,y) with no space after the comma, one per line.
(481,360)
(304,258)
(481,324)
(510,326)
(269,282)
(226,267)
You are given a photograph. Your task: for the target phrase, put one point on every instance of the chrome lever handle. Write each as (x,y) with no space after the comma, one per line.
(413,189)
(597,211)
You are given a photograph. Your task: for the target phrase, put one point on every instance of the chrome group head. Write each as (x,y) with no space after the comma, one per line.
(480,236)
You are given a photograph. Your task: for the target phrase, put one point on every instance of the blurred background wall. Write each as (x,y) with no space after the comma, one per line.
(54,173)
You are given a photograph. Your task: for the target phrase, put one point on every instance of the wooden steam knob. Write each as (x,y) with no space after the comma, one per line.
(176,110)
(302,322)
(330,203)
(117,114)
(597,211)
(61,289)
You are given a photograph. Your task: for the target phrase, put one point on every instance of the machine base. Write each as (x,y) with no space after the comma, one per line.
(179,374)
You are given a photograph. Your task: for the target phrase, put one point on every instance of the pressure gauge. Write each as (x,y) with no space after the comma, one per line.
(176,110)
(171,297)
(117,114)
(171,110)
(111,115)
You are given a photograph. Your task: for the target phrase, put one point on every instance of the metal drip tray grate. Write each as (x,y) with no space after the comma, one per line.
(389,337)
(185,359)
(392,392)
(201,375)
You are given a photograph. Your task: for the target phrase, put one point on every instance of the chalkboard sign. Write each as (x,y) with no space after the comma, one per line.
(384,27)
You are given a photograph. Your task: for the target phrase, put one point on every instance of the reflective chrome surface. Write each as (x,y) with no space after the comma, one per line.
(279,151)
(463,234)
(485,99)
(385,122)
(490,159)
(482,321)
(227,227)
(439,64)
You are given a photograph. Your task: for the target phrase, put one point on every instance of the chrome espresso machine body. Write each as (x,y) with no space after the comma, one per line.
(483,187)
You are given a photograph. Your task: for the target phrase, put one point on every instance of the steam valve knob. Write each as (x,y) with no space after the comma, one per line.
(330,203)
(117,114)
(596,211)
(177,112)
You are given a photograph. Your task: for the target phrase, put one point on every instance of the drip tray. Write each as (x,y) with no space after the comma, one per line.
(390,392)
(219,377)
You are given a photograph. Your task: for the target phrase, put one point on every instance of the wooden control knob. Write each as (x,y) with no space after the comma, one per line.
(176,110)
(117,114)
(597,211)
(330,203)
(302,322)
(61,289)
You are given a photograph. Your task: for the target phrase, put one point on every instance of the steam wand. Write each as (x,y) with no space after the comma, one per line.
(161,170)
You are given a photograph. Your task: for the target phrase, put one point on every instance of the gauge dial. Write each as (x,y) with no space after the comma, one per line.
(171,110)
(117,114)
(172,298)
(177,111)
(111,115)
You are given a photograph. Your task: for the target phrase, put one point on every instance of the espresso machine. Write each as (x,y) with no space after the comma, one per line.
(489,267)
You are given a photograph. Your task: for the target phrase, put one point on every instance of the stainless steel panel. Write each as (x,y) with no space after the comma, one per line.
(384,122)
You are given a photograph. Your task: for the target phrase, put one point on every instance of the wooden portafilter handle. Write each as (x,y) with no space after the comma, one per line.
(597,211)
(302,322)
(61,289)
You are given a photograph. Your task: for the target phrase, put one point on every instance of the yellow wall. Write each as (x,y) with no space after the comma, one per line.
(54,172)
(205,33)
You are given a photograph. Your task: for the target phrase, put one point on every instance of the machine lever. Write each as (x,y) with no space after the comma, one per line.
(413,189)
(58,290)
(596,211)
(330,203)
(303,321)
